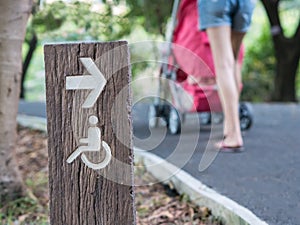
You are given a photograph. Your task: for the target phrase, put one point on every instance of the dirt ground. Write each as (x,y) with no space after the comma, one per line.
(155,204)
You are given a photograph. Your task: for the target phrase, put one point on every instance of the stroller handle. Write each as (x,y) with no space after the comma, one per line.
(169,35)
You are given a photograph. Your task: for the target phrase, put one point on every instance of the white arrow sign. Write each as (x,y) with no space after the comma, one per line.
(96,82)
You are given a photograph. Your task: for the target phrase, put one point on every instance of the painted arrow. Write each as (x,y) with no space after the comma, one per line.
(95,82)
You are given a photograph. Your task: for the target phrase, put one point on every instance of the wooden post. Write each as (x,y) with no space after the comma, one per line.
(89,134)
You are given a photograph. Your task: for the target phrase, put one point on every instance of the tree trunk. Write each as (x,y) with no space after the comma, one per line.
(287,52)
(287,55)
(13,17)
(32,46)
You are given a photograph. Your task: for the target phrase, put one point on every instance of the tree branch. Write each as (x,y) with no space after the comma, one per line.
(271,7)
(32,46)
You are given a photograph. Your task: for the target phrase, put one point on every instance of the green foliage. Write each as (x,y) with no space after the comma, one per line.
(25,210)
(31,209)
(110,20)
(80,21)
(116,19)
(259,68)
(35,78)
(260,62)
(289,12)
(153,15)
(50,18)
(20,206)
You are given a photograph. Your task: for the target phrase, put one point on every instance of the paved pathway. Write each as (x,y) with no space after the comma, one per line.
(265,178)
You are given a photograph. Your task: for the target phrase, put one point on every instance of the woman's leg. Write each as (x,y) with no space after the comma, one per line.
(224,60)
(236,41)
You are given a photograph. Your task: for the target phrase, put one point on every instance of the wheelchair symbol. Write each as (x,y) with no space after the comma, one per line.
(93,143)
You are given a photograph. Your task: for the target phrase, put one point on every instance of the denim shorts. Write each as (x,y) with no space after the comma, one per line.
(235,13)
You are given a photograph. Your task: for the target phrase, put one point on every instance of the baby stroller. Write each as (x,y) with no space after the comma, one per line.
(190,74)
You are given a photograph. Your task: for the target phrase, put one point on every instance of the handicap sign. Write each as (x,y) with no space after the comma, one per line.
(93,142)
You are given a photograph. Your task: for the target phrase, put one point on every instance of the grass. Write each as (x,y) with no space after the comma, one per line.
(25,210)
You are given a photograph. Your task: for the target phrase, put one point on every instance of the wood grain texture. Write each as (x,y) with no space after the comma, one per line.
(78,194)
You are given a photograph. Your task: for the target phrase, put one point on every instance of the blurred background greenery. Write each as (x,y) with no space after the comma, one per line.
(139,20)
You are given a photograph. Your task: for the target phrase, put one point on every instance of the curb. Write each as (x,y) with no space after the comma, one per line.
(32,122)
(184,183)
(200,194)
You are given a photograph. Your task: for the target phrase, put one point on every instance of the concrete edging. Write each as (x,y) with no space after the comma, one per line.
(32,122)
(184,183)
(200,194)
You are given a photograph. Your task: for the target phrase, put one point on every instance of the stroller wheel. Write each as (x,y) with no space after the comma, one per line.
(205,118)
(153,115)
(217,118)
(174,123)
(246,123)
(183,117)
(246,115)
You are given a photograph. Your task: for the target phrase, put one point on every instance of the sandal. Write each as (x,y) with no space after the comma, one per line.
(231,149)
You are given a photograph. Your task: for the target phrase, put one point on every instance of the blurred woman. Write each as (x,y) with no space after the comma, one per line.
(226,23)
